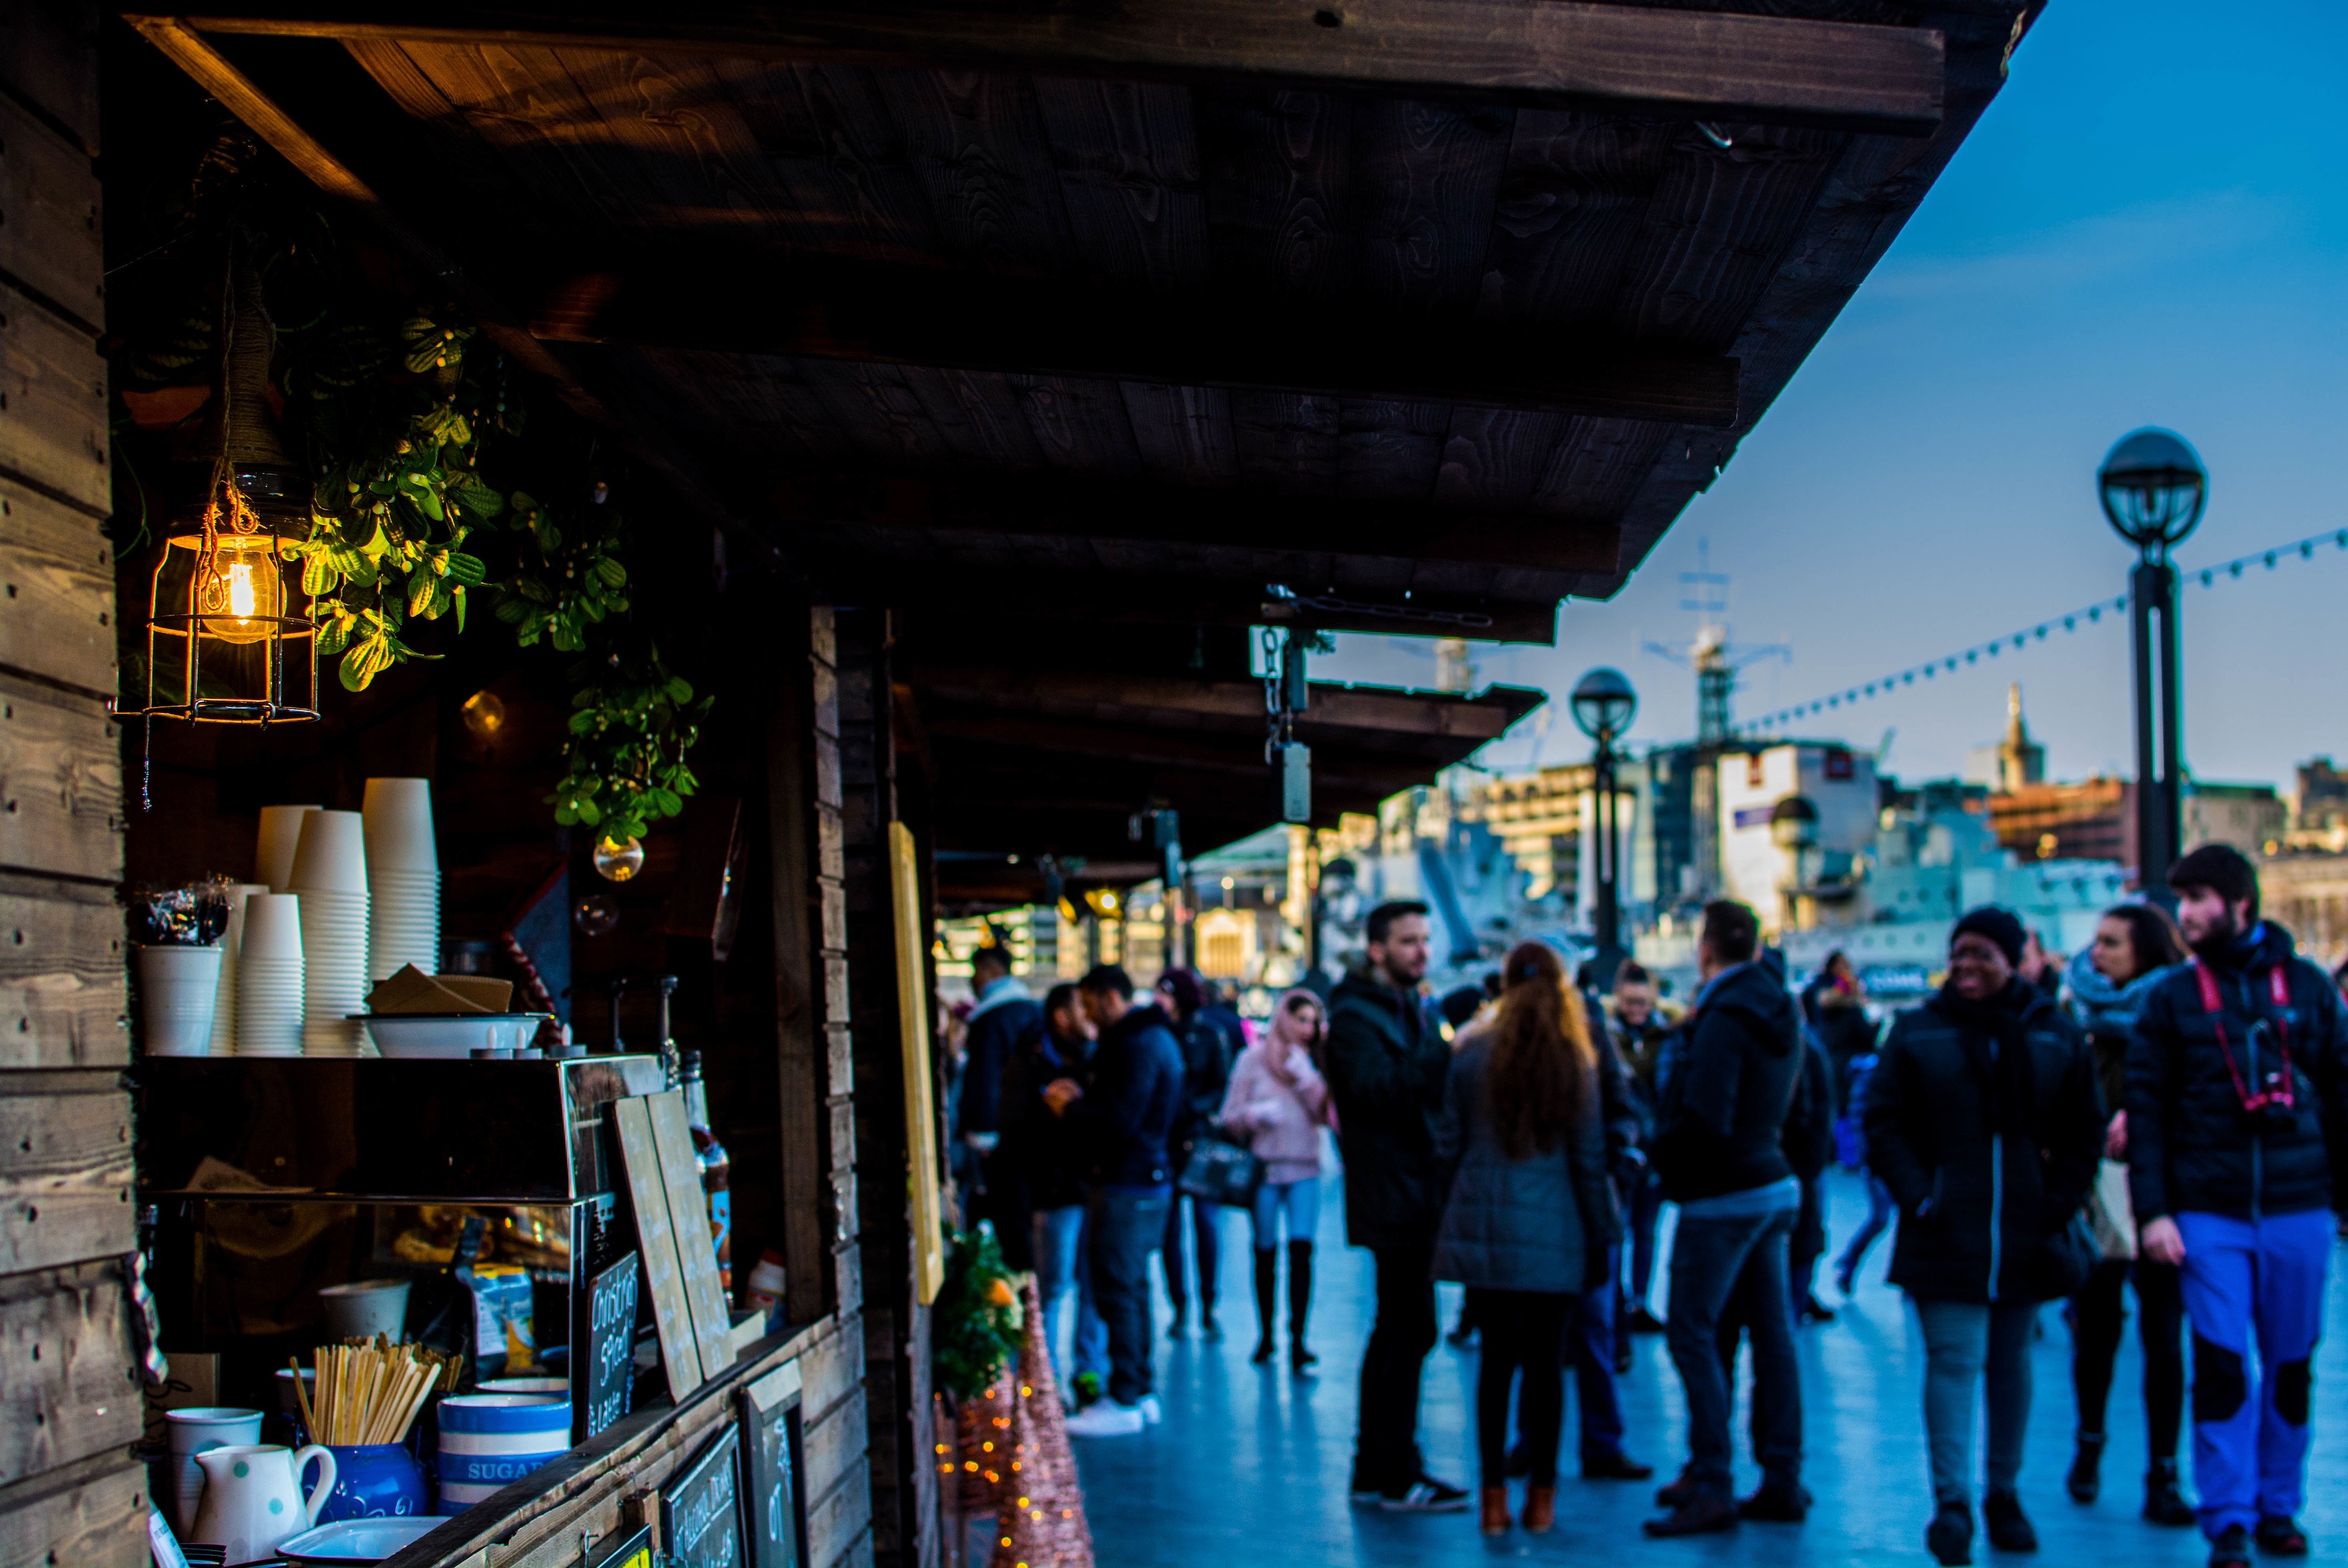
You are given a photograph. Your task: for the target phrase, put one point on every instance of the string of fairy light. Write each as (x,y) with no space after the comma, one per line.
(2019,641)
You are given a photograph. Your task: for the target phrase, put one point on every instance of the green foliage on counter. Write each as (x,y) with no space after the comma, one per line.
(974,1327)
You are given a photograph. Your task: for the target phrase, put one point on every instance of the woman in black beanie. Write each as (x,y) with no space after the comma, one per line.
(1984,1119)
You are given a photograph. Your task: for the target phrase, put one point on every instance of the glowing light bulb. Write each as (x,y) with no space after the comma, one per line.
(240,592)
(239,595)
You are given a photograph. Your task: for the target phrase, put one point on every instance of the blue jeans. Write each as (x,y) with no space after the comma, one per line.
(1879,1209)
(2250,1423)
(1719,1263)
(1298,1202)
(1126,1225)
(1590,1342)
(1060,1269)
(1965,1341)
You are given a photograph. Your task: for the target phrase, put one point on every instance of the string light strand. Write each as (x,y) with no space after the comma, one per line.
(2093,614)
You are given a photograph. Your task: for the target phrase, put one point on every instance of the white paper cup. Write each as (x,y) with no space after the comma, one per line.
(332,855)
(281,832)
(364,1308)
(231,952)
(272,929)
(399,813)
(178,988)
(199,1429)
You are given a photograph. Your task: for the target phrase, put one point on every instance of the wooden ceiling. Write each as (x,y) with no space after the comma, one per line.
(1420,316)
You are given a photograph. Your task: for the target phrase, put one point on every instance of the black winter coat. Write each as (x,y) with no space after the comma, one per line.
(1987,1154)
(1206,1076)
(993,1032)
(1387,1061)
(1726,1086)
(2191,1148)
(1041,1153)
(1129,1102)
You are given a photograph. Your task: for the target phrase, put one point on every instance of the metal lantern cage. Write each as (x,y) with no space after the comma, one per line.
(1602,704)
(231,638)
(2153,487)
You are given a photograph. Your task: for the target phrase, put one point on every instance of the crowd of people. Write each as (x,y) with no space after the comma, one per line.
(2166,1114)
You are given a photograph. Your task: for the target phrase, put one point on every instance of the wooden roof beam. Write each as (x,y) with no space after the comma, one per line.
(958,321)
(1104,596)
(851,507)
(186,48)
(1228,756)
(1698,64)
(1477,719)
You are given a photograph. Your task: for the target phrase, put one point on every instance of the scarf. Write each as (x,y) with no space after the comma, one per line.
(2008,1076)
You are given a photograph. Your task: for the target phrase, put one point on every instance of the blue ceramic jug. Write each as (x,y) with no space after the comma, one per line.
(376,1480)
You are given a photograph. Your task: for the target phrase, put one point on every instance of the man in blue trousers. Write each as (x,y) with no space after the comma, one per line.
(2238,1152)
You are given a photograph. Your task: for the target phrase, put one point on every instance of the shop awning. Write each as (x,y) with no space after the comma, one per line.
(1427,315)
(1034,762)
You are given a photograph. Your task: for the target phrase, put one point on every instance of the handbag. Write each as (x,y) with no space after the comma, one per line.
(2066,1259)
(2110,1213)
(1220,1171)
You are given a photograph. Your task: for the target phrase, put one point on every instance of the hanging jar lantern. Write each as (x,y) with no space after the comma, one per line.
(230,634)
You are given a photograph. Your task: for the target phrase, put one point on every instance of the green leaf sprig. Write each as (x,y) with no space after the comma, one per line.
(576,581)
(389,527)
(623,756)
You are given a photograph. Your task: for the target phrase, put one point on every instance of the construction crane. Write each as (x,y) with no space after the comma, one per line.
(1715,660)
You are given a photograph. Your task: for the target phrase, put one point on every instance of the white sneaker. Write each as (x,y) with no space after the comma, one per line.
(1152,1412)
(1107,1419)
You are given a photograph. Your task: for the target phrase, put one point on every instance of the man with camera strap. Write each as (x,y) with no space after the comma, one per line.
(2238,1153)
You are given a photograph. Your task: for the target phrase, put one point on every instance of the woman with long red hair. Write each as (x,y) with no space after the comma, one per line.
(1531,1214)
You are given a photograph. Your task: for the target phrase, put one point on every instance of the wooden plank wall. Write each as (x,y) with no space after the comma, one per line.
(70,1494)
(833,1403)
(896,1327)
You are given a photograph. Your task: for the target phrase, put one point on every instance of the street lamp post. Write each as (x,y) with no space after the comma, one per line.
(1602,705)
(2153,487)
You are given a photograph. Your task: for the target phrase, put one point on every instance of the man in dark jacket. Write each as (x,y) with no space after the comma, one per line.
(1040,1152)
(1004,1012)
(1725,1089)
(2237,1149)
(1387,1065)
(1207,1057)
(1984,1121)
(1123,1120)
(1638,1030)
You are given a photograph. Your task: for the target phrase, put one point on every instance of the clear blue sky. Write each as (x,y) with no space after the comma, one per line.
(2148,227)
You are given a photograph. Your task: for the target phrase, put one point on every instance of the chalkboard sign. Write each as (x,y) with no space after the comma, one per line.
(701,1507)
(631,1549)
(603,1383)
(770,1427)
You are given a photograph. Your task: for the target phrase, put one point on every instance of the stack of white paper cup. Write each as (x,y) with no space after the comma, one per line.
(281,833)
(176,990)
(268,976)
(224,1008)
(330,878)
(403,877)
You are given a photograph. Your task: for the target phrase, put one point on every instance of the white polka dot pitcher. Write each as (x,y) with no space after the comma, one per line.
(253,1497)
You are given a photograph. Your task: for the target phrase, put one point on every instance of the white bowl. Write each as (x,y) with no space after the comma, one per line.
(449,1036)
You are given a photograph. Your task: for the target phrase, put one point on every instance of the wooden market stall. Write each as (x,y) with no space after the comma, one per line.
(973,380)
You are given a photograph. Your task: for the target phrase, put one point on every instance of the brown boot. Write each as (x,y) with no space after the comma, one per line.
(1496,1510)
(1540,1509)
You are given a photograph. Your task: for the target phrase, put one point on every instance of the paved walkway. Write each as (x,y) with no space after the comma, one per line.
(1251,1464)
